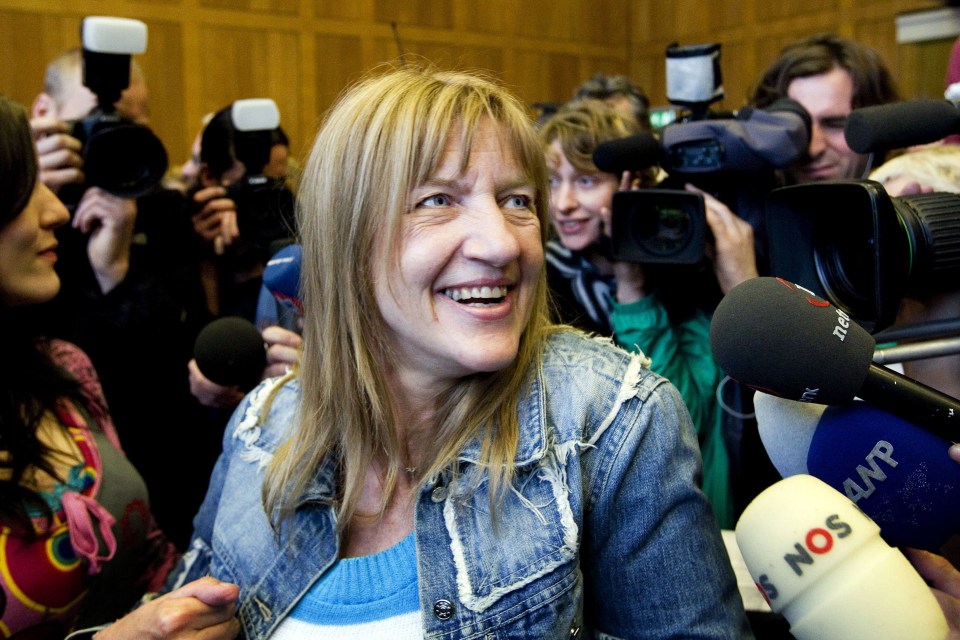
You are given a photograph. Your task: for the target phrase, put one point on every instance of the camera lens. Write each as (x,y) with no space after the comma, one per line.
(124,158)
(666,232)
(844,263)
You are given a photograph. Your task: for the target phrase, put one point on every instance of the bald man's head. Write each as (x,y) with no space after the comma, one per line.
(69,99)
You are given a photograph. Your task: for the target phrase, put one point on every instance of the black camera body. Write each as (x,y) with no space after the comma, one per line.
(851,243)
(119,155)
(242,133)
(658,226)
(265,211)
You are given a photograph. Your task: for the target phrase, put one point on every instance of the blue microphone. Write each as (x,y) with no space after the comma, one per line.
(898,473)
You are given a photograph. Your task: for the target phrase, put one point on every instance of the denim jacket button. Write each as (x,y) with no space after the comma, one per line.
(443,609)
(575,631)
(439,494)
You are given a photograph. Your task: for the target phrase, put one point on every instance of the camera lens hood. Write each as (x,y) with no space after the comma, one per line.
(124,158)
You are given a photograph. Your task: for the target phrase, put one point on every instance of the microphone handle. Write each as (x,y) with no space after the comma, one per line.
(914,401)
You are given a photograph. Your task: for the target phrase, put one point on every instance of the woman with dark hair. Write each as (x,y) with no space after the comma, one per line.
(78,544)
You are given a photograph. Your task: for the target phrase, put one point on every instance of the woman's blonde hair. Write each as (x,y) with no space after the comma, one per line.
(582,125)
(935,166)
(385,136)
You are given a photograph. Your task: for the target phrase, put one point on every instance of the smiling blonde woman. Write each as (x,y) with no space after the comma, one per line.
(447,463)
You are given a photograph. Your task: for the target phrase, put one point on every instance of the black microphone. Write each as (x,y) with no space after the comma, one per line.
(627,154)
(777,337)
(901,124)
(230,352)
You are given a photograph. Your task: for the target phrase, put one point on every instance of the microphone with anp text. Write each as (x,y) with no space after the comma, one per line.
(897,473)
(780,338)
(281,278)
(821,563)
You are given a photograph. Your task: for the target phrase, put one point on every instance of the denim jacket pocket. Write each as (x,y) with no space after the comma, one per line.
(535,534)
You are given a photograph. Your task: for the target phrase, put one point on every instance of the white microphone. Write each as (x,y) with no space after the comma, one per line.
(821,563)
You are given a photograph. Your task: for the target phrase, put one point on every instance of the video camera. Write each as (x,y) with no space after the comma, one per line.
(732,157)
(853,244)
(119,155)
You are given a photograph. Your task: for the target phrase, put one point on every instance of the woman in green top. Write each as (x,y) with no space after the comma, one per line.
(663,312)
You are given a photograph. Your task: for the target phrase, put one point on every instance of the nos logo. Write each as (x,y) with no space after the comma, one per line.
(817,542)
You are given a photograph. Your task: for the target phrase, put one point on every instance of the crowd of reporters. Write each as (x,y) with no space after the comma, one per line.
(141,275)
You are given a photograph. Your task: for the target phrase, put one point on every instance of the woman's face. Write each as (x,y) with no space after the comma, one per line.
(458,292)
(28,250)
(576,200)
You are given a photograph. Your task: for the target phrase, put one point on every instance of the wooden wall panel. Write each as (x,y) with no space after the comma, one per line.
(435,14)
(243,63)
(540,76)
(285,7)
(165,54)
(204,53)
(337,62)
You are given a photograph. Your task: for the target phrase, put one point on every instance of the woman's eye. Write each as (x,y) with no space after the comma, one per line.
(436,200)
(518,201)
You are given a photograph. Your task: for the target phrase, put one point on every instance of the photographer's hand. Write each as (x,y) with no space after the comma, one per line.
(283,350)
(208,392)
(58,153)
(734,257)
(944,581)
(216,222)
(109,220)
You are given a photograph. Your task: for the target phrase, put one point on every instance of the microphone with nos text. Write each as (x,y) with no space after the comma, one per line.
(899,474)
(230,352)
(777,337)
(822,564)
(901,124)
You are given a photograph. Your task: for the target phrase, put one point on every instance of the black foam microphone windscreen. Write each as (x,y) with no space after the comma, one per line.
(627,154)
(230,352)
(775,336)
(901,124)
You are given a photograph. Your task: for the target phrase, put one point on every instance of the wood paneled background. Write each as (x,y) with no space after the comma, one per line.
(203,54)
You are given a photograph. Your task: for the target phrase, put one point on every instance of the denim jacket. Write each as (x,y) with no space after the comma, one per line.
(603,534)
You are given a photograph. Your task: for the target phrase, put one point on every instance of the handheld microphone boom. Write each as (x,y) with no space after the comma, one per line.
(777,337)
(822,564)
(896,472)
